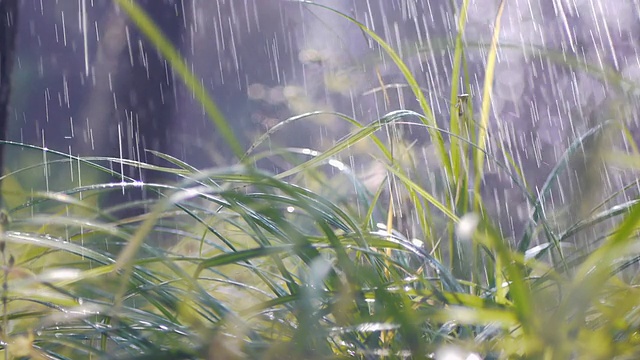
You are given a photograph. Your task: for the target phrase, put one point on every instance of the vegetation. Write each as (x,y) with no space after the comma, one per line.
(235,262)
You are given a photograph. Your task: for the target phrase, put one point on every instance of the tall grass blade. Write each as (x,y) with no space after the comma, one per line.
(173,57)
(411,80)
(486,105)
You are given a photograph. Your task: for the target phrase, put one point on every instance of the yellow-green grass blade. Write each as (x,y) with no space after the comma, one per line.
(173,57)
(457,151)
(486,105)
(411,80)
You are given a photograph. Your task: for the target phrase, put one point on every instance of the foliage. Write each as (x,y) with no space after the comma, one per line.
(236,262)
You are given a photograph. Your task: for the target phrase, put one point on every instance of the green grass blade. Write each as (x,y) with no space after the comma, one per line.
(154,34)
(347,142)
(561,165)
(486,105)
(454,124)
(411,80)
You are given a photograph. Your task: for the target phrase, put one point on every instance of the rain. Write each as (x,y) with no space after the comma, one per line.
(563,116)
(88,83)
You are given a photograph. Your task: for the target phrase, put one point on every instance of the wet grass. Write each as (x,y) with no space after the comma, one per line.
(237,262)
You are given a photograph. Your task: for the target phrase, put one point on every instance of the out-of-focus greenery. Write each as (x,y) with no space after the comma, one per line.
(235,262)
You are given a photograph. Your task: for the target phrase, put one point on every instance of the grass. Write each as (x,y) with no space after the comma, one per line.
(236,262)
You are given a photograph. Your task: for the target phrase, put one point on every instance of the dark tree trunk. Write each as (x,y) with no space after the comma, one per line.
(8,34)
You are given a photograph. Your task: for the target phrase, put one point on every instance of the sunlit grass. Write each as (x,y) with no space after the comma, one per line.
(238,262)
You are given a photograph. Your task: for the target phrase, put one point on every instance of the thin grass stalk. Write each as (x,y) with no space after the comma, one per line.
(457,152)
(429,118)
(486,107)
(5,299)
(173,57)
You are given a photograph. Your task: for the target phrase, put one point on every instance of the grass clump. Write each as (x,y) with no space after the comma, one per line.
(236,262)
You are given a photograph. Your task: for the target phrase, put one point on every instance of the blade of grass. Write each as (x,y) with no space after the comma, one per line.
(561,165)
(162,44)
(348,141)
(411,80)
(457,151)
(486,106)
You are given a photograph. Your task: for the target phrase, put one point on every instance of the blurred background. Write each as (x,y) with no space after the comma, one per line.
(87,83)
